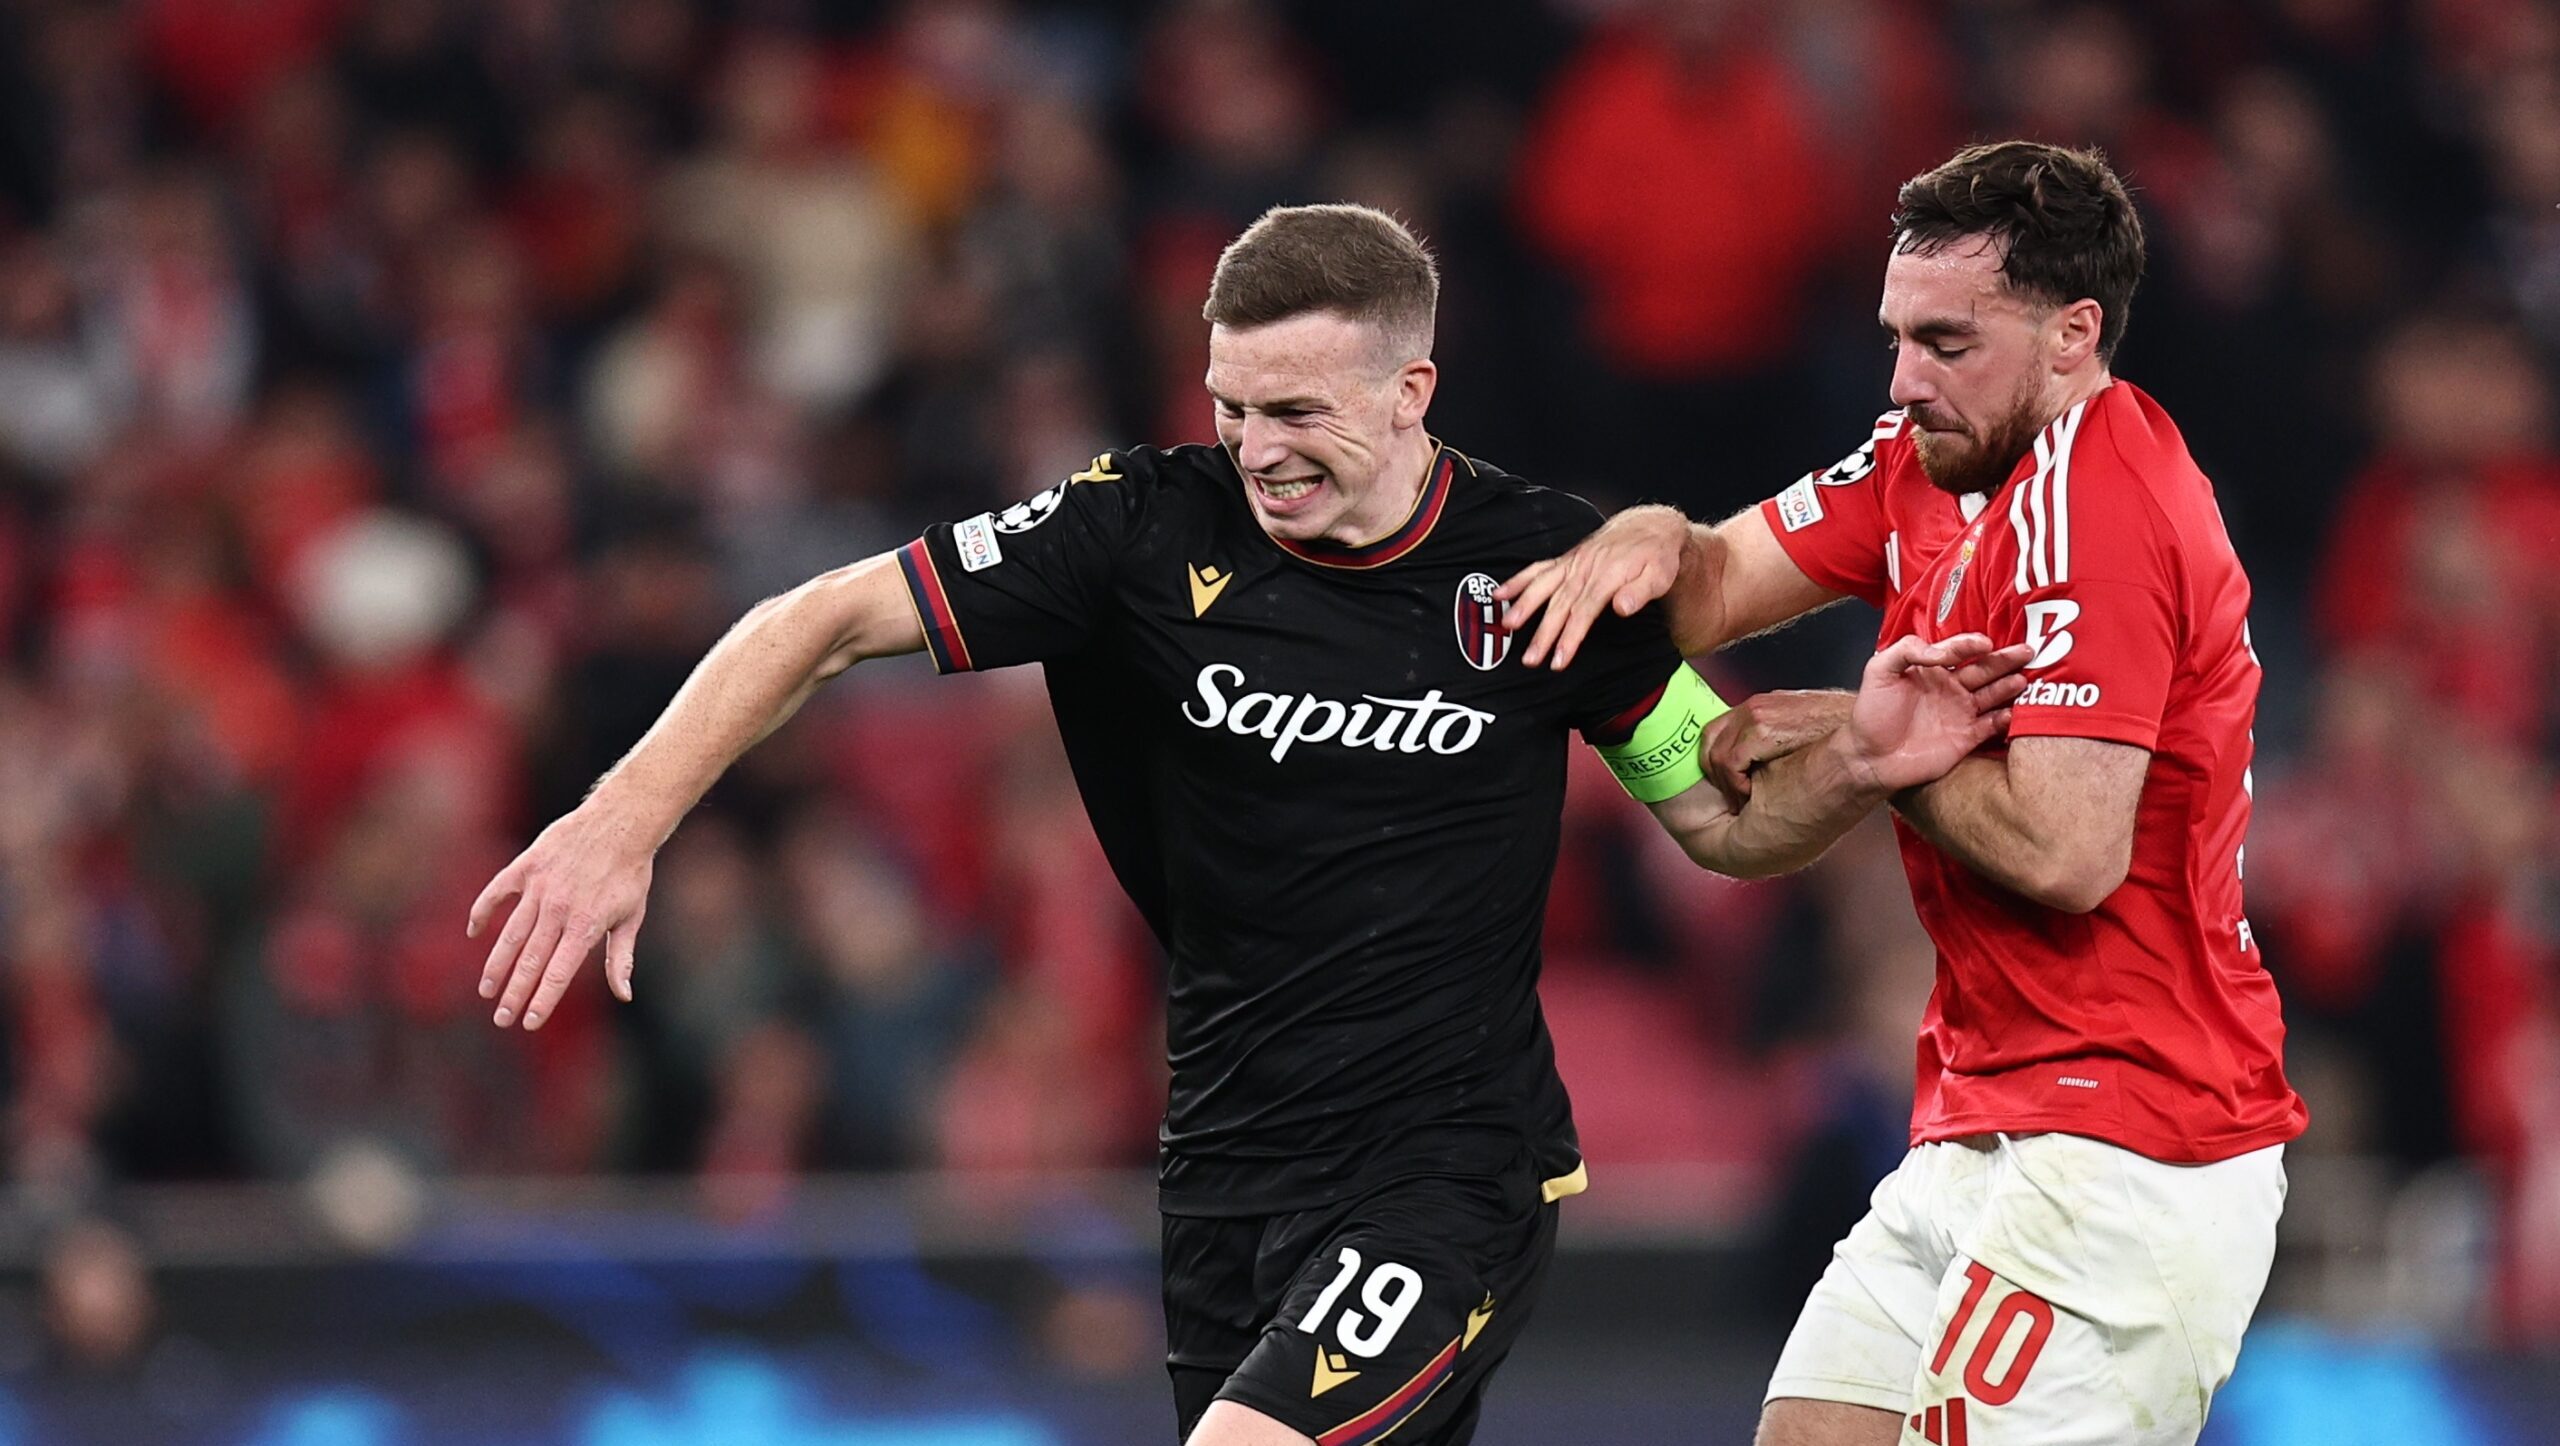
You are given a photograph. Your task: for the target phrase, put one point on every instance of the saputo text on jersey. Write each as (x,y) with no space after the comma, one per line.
(1388,725)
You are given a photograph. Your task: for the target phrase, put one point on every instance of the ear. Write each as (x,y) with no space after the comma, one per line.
(2076,328)
(1415,382)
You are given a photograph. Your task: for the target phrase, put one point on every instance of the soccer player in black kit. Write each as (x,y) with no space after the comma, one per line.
(1279,671)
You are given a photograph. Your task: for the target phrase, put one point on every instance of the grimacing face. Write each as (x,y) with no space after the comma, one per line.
(1322,422)
(1979,368)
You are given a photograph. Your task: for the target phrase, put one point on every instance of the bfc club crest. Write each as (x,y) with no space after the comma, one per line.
(1481,636)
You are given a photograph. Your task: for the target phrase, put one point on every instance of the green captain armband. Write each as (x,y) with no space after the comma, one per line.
(1660,759)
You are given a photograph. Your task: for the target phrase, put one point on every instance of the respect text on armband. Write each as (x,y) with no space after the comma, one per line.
(1664,755)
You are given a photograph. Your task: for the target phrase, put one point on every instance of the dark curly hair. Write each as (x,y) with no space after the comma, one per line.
(2065,226)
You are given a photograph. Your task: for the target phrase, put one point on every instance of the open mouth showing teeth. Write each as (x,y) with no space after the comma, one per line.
(1288,491)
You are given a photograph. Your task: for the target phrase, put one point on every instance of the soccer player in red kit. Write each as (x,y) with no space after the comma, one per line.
(2082,1228)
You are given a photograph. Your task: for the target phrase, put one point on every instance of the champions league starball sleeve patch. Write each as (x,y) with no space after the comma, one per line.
(1660,759)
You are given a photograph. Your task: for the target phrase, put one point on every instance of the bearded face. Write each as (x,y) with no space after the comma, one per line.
(1963,456)
(1979,367)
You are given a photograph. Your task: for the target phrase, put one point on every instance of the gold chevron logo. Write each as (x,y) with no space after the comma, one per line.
(1331,1371)
(1206,584)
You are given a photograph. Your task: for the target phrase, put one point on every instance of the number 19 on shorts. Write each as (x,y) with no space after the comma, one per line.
(1390,1293)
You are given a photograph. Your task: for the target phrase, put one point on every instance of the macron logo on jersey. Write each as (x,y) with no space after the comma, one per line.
(1430,723)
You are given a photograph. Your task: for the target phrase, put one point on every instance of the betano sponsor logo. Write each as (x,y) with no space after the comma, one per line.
(2046,693)
(1430,723)
(2049,631)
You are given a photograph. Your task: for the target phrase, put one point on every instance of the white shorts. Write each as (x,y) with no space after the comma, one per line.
(2041,1290)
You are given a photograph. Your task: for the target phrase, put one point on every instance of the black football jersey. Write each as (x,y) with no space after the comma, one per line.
(1331,788)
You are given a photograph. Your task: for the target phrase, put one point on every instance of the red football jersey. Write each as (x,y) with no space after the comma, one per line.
(2151,1022)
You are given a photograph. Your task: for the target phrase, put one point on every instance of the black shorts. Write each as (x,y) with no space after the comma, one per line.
(1386,1312)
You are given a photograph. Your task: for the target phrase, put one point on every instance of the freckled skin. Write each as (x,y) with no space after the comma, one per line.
(1321,397)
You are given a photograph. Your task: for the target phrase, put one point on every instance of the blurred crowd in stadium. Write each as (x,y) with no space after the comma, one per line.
(396,397)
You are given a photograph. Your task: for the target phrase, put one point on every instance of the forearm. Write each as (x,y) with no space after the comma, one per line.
(1977,816)
(1736,580)
(1799,806)
(1694,608)
(752,681)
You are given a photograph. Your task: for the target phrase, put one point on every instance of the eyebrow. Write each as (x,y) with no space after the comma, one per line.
(1934,329)
(1276,404)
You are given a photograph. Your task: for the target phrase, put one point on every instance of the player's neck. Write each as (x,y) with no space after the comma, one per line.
(1400,484)
(2080,389)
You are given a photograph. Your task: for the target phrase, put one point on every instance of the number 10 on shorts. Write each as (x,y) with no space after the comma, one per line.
(1390,1293)
(1987,1380)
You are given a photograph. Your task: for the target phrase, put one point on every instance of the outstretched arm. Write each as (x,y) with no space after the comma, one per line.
(586,879)
(1717,583)
(1918,712)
